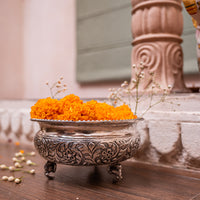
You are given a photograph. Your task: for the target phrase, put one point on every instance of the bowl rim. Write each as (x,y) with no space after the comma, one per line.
(69,122)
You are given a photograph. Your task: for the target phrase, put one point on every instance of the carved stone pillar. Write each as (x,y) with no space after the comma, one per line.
(156,28)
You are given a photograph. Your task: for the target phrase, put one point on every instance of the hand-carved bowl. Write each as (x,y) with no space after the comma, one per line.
(86,143)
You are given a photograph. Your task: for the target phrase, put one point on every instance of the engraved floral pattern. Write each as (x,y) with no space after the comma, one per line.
(85,152)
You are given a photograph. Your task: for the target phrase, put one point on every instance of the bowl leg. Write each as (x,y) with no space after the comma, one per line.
(116,171)
(49,167)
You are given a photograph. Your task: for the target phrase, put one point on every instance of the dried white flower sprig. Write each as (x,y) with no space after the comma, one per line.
(12,179)
(23,155)
(129,93)
(18,160)
(32,171)
(30,163)
(10,168)
(18,165)
(57,87)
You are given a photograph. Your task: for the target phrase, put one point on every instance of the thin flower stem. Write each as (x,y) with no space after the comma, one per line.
(130,91)
(129,98)
(151,97)
(162,99)
(57,87)
(51,89)
(54,84)
(51,92)
(57,92)
(150,108)
(137,96)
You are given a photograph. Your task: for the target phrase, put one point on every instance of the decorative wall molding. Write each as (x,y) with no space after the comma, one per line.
(15,125)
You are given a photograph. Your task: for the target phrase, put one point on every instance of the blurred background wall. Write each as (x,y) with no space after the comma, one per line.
(11,49)
(38,43)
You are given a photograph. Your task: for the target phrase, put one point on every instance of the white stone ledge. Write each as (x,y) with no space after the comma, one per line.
(191,140)
(179,116)
(15,124)
(164,136)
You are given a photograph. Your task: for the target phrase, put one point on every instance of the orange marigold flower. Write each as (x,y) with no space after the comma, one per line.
(72,108)
(21,151)
(17,143)
(46,109)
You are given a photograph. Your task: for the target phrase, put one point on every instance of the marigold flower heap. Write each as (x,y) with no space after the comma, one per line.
(72,108)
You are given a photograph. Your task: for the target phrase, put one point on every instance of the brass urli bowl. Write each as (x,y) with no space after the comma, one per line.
(87,143)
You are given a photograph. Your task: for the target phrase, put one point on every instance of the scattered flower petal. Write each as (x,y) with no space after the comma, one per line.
(4,178)
(32,171)
(11,168)
(3,166)
(21,151)
(17,180)
(11,178)
(17,143)
(17,165)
